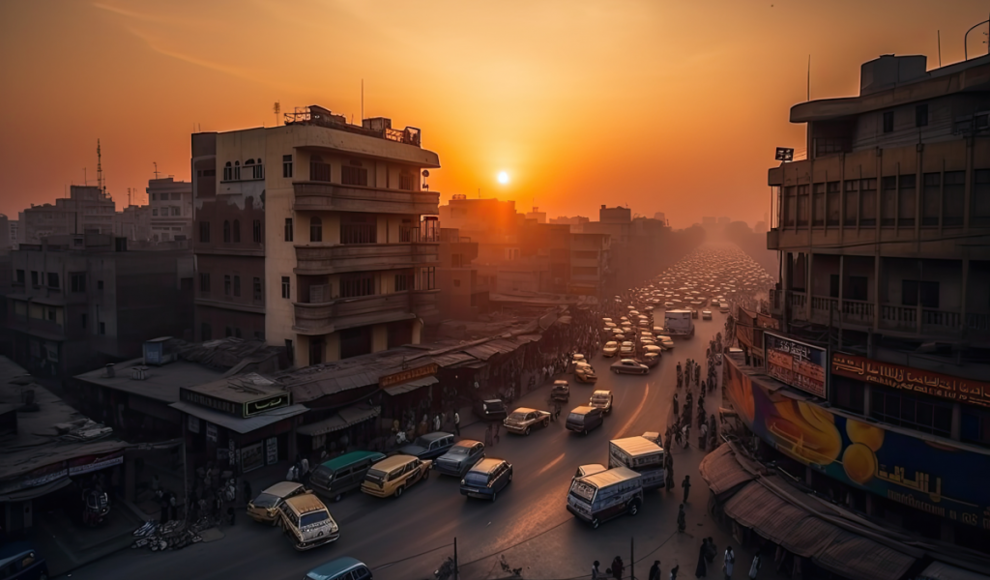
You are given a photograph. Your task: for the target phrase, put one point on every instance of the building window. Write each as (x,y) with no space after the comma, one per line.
(888,122)
(906,200)
(52,317)
(868,202)
(152,197)
(406,181)
(848,394)
(954,198)
(288,229)
(237,285)
(226,232)
(921,115)
(911,411)
(228,332)
(315,229)
(457,283)
(237,171)
(205,332)
(818,205)
(256,288)
(802,205)
(980,215)
(237,231)
(286,288)
(318,170)
(287,166)
(404,282)
(228,172)
(20,277)
(930,199)
(204,232)
(914,292)
(204,282)
(103,328)
(350,175)
(354,285)
(857,288)
(82,320)
(258,172)
(357,228)
(176,212)
(832,203)
(99,284)
(77,282)
(428,276)
(226,284)
(154,212)
(53,280)
(975,427)
(256,231)
(888,201)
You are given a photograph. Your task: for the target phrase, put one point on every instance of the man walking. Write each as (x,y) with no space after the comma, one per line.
(655,570)
(754,568)
(682,521)
(595,572)
(728,561)
(686,484)
(457,424)
(677,406)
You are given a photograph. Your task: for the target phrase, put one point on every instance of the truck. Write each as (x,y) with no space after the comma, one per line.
(678,323)
(640,455)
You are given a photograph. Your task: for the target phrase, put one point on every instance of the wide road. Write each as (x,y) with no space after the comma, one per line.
(529,525)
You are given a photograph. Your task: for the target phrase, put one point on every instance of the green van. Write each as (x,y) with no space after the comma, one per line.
(334,478)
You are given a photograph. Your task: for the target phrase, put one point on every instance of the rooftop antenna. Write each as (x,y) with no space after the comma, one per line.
(156,169)
(362,101)
(99,167)
(809,77)
(278,109)
(939,48)
(128,197)
(85,179)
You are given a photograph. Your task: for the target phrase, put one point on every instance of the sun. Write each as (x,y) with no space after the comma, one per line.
(503,177)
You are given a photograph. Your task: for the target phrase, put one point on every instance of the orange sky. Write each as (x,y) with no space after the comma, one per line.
(659,105)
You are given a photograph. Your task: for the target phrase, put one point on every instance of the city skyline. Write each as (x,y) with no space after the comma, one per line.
(549,99)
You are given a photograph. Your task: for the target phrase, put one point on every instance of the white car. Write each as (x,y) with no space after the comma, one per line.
(706,314)
(666,342)
(627,349)
(610,349)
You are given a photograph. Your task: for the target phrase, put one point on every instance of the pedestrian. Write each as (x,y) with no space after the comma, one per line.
(617,568)
(556,411)
(498,426)
(677,406)
(457,424)
(704,435)
(436,423)
(217,506)
(686,435)
(488,435)
(754,568)
(670,478)
(655,571)
(681,519)
(304,464)
(686,484)
(728,560)
(673,572)
(595,572)
(712,551)
(701,570)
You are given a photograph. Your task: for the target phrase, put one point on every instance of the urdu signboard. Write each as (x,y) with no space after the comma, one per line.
(796,363)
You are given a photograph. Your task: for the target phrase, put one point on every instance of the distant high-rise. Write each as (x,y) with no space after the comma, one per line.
(708,221)
(87,210)
(171,209)
(660,216)
(536,214)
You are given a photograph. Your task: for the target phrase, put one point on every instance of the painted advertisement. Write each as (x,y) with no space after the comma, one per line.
(795,363)
(922,473)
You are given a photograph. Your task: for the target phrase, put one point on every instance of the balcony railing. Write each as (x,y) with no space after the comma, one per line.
(898,317)
(319,196)
(327,317)
(857,312)
(321,260)
(797,300)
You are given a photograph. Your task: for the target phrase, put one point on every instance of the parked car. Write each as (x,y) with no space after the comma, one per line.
(345,568)
(585,373)
(429,446)
(21,561)
(666,342)
(602,400)
(629,366)
(560,391)
(342,474)
(264,508)
(584,419)
(610,349)
(706,314)
(490,409)
(627,349)
(307,522)
(523,419)
(459,458)
(392,475)
(488,477)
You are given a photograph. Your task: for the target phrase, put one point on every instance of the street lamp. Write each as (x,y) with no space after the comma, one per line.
(966,36)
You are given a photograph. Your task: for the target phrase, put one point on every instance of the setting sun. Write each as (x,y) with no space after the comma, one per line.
(503,177)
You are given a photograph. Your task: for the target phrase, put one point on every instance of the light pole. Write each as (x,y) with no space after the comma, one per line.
(966,37)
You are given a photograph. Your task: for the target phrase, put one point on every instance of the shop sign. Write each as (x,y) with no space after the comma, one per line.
(211,432)
(93,463)
(193,424)
(934,476)
(252,456)
(911,379)
(271,450)
(795,363)
(408,375)
(252,408)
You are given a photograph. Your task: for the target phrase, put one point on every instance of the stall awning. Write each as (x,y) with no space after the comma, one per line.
(34,492)
(237,424)
(721,471)
(859,558)
(411,385)
(757,507)
(943,571)
(343,419)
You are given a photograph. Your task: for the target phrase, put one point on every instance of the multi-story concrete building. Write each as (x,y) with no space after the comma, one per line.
(171,209)
(78,301)
(87,210)
(311,235)
(876,380)
(589,264)
(134,223)
(465,294)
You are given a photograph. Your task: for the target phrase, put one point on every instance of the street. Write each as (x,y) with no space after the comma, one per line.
(528,526)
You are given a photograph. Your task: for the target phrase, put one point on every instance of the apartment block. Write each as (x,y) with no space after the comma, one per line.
(87,210)
(316,235)
(171,209)
(465,293)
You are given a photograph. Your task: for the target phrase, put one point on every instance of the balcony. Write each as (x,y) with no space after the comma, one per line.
(327,317)
(322,260)
(321,196)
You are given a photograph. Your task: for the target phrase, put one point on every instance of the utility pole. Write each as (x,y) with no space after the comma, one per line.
(632,558)
(455,557)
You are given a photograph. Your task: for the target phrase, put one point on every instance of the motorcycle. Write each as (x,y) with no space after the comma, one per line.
(96,507)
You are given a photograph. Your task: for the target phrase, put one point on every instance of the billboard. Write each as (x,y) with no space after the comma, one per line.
(911,379)
(795,363)
(917,470)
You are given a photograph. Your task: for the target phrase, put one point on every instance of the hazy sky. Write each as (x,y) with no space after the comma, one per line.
(659,105)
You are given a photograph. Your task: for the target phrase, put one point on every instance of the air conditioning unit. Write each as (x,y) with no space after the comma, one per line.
(139,373)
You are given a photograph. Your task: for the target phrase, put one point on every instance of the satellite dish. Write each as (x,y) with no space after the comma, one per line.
(426,173)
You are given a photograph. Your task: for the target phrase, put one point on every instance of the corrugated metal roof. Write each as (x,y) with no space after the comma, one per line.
(482,351)
(810,536)
(859,558)
(343,419)
(236,423)
(721,471)
(453,358)
(943,571)
(757,507)
(411,385)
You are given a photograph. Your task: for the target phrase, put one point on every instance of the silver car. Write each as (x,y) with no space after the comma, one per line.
(460,458)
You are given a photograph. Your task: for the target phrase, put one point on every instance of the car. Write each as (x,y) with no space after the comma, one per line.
(459,458)
(523,419)
(264,508)
(560,391)
(307,522)
(666,342)
(610,349)
(392,475)
(627,348)
(429,446)
(650,359)
(585,373)
(629,366)
(706,314)
(602,400)
(340,475)
(488,477)
(490,409)
(21,561)
(345,568)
